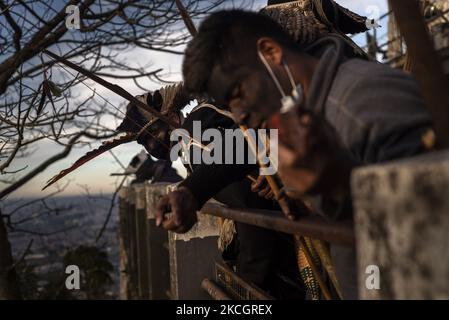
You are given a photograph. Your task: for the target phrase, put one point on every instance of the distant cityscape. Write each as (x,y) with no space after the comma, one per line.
(60,225)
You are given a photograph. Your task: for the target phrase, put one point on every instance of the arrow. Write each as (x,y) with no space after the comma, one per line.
(114,88)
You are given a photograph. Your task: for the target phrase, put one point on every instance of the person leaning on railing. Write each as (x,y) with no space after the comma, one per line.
(352,112)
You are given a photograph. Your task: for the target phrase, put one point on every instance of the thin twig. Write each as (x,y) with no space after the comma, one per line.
(110,209)
(22,257)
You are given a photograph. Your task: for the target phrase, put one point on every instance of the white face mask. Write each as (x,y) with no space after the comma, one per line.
(287,102)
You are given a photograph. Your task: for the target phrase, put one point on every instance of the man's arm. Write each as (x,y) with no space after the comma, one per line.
(381,118)
(207,180)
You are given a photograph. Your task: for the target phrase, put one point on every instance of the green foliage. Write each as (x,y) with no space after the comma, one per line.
(27,280)
(95,270)
(95,277)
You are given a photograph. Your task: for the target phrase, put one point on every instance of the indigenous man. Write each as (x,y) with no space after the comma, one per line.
(145,168)
(307,21)
(353,112)
(264,257)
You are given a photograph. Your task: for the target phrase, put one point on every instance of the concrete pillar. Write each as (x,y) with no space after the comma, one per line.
(395,46)
(159,267)
(192,258)
(133,288)
(141,241)
(192,255)
(157,264)
(124,244)
(401,212)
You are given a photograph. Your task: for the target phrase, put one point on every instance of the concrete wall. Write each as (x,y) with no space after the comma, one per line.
(158,264)
(402,227)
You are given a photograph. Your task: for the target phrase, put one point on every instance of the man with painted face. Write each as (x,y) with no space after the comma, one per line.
(306,21)
(247,61)
(255,250)
(352,112)
(309,22)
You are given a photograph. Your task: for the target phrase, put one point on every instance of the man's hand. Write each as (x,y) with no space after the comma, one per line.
(181,205)
(262,188)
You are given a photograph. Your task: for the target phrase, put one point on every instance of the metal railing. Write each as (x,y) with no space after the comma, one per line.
(148,253)
(337,232)
(135,230)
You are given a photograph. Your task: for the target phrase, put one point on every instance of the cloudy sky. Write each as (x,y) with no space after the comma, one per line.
(96,174)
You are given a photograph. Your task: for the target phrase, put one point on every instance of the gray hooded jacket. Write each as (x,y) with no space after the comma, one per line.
(377,111)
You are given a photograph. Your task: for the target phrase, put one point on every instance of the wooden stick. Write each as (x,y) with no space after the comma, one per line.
(323,252)
(427,66)
(113,87)
(315,271)
(281,199)
(283,203)
(252,179)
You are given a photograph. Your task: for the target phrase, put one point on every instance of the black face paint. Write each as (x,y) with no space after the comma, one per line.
(221,83)
(246,90)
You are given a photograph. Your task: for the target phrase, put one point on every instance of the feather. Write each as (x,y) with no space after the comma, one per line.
(105,146)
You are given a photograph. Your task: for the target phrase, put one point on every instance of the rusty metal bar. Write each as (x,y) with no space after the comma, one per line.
(237,287)
(427,65)
(214,290)
(341,233)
